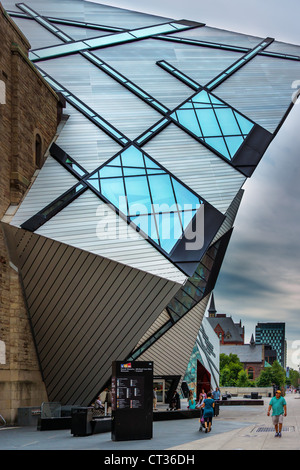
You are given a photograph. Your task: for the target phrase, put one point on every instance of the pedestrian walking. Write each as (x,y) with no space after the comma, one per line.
(278,406)
(208,411)
(216,394)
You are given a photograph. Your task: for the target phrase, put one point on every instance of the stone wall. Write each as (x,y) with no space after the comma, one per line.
(241,391)
(29,118)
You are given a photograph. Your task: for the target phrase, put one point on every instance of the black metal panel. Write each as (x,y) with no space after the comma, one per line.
(186,259)
(253,149)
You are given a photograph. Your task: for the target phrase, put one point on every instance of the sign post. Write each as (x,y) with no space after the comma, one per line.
(132,400)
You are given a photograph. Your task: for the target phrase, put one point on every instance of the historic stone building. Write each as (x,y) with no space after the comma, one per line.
(29,114)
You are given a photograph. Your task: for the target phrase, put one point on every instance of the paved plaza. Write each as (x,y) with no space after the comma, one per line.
(236,428)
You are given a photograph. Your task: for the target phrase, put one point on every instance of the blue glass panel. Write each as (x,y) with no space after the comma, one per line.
(218,144)
(216,102)
(208,122)
(147,224)
(185,299)
(113,190)
(234,143)
(244,123)
(95,183)
(161,190)
(110,171)
(201,97)
(188,105)
(77,169)
(184,196)
(144,32)
(170,230)
(133,171)
(186,217)
(133,157)
(138,194)
(109,39)
(228,122)
(188,119)
(192,291)
(149,163)
(116,161)
(177,307)
(155,172)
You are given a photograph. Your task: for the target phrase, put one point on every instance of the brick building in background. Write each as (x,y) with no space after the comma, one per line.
(254,357)
(224,327)
(29,115)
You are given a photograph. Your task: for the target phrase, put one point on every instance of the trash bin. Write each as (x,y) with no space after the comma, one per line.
(81,424)
(254,395)
(216,409)
(224,397)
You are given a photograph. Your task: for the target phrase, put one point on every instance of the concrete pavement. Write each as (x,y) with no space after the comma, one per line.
(236,428)
(256,431)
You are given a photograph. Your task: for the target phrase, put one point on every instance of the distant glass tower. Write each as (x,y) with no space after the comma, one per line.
(274,335)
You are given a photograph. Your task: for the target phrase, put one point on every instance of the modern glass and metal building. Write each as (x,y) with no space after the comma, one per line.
(274,335)
(203,371)
(121,236)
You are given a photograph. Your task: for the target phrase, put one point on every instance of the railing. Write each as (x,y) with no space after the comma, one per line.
(50,410)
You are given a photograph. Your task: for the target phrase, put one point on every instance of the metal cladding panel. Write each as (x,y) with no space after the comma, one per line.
(159,322)
(85,311)
(230,216)
(195,165)
(85,142)
(90,12)
(208,344)
(137,61)
(172,351)
(284,48)
(261,89)
(207,33)
(36,34)
(91,225)
(52,181)
(121,108)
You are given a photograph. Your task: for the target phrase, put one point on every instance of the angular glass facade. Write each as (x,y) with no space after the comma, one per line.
(157,203)
(214,122)
(146,139)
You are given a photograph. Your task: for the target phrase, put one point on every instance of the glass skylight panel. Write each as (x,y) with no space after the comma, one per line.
(104,41)
(175,72)
(214,122)
(149,31)
(147,195)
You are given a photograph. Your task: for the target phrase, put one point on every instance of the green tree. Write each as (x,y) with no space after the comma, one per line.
(294,378)
(272,375)
(265,378)
(278,374)
(225,377)
(230,366)
(242,380)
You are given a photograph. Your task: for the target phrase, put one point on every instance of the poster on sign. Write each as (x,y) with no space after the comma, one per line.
(132,398)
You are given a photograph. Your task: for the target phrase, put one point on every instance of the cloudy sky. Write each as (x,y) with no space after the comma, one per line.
(260,277)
